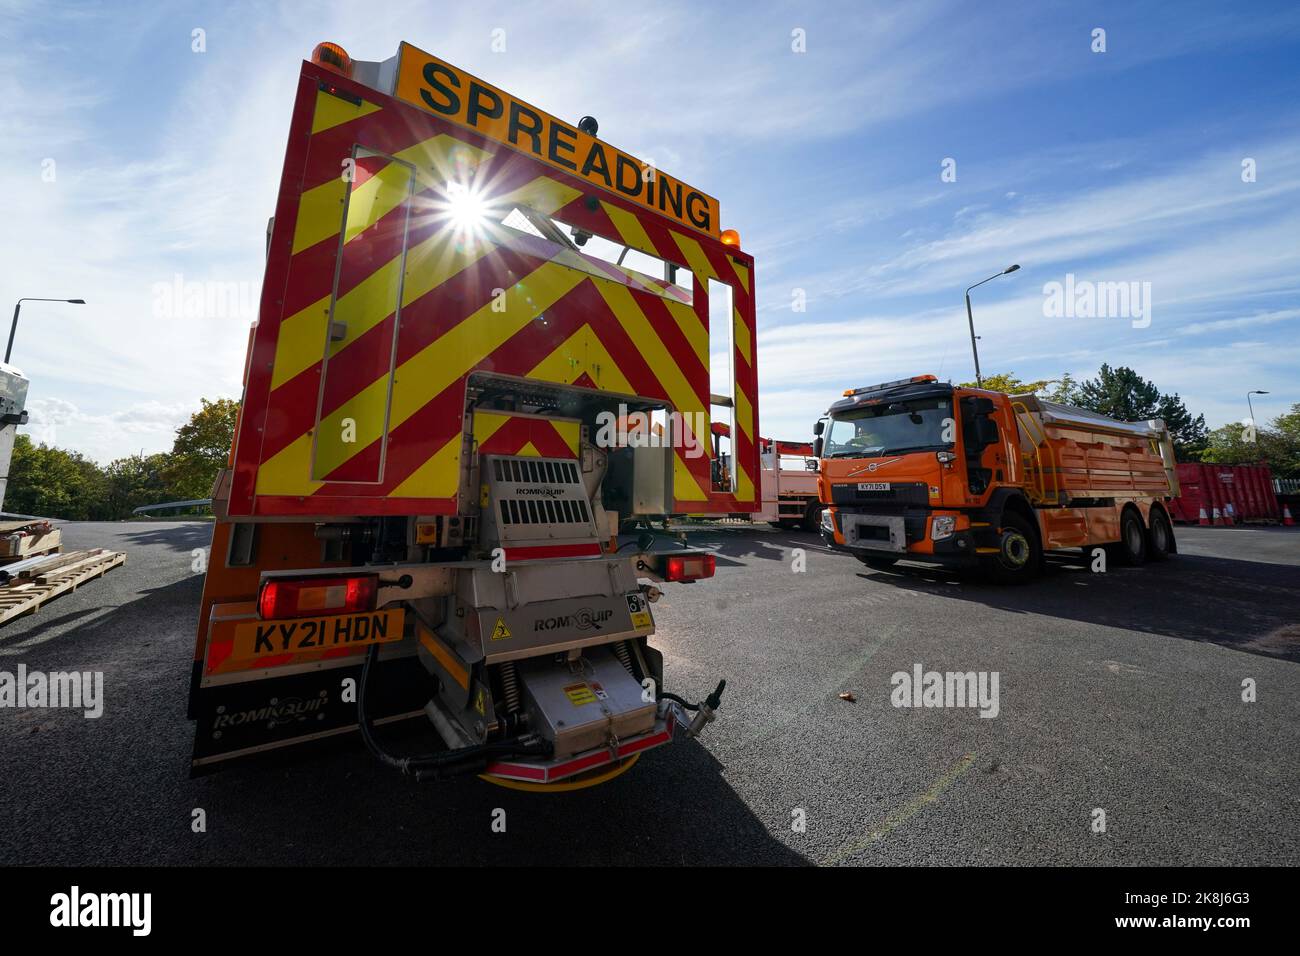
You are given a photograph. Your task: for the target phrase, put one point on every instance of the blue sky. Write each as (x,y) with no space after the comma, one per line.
(1122,166)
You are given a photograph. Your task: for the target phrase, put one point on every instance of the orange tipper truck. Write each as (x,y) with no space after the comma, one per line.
(921,470)
(420,518)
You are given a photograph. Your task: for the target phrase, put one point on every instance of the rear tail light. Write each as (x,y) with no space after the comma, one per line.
(690,567)
(312,597)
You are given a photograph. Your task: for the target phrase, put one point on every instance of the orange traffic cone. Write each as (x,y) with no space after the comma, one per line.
(1203,519)
(1286,516)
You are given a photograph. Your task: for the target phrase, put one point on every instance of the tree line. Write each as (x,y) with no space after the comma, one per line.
(57,483)
(1122,393)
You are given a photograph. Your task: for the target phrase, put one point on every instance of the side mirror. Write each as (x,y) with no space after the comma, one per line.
(817,445)
(819,427)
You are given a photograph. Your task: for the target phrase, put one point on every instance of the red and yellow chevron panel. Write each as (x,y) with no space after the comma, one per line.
(382,299)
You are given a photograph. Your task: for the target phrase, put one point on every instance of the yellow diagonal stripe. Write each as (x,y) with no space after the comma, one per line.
(377,197)
(744,413)
(696,260)
(320,213)
(741,334)
(332,111)
(647,341)
(742,273)
(630,229)
(696,334)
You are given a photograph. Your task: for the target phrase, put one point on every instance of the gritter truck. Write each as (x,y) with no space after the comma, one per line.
(416,539)
(921,470)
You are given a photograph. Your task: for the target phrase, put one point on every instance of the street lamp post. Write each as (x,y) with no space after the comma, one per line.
(971,319)
(18,305)
(1250,405)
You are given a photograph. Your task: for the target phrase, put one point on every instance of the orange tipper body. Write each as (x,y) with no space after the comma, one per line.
(918,469)
(462,292)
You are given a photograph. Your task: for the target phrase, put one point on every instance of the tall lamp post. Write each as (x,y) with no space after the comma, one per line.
(1250,405)
(971,319)
(14,326)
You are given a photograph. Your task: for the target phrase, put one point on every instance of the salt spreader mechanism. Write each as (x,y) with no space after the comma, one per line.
(420,518)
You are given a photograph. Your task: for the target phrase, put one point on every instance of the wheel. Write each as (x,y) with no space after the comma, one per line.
(1160,536)
(1020,556)
(1131,549)
(877,564)
(812,518)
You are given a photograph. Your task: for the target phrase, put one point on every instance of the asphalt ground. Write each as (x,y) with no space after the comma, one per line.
(1120,692)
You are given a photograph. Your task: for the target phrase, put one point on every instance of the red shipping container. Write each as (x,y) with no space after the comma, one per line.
(1248,489)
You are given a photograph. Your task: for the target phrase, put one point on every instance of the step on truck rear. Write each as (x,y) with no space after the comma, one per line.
(420,518)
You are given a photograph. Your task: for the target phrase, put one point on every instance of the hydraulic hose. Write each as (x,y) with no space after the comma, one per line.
(428,766)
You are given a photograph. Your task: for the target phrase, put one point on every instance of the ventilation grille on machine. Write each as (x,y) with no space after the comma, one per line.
(538,498)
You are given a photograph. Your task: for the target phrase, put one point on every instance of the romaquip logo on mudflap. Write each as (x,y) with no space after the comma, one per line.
(277,711)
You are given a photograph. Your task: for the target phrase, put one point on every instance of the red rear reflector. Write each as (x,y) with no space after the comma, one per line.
(690,567)
(310,597)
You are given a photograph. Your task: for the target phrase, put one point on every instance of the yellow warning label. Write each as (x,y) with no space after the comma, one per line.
(640,619)
(500,632)
(580,694)
(479,703)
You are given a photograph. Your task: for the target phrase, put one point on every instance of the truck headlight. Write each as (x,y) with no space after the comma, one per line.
(828,520)
(942,526)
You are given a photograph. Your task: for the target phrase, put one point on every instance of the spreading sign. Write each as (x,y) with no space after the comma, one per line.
(440,88)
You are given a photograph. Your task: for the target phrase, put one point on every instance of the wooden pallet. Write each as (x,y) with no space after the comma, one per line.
(26,595)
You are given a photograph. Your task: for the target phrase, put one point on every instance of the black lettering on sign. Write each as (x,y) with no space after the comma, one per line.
(381,627)
(432,73)
(363,629)
(342,630)
(596,163)
(533,129)
(675,200)
(310,629)
(262,642)
(479,96)
(556,147)
(697,210)
(286,636)
(624,165)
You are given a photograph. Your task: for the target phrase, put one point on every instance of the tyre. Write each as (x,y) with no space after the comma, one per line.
(812,518)
(1019,557)
(1131,549)
(1160,536)
(877,564)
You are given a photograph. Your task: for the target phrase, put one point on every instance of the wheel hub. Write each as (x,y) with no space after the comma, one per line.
(1015,549)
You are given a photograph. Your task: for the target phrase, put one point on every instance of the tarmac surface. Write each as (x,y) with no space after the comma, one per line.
(1120,692)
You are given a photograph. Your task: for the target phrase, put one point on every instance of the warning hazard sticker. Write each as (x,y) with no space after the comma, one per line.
(580,694)
(500,632)
(639,608)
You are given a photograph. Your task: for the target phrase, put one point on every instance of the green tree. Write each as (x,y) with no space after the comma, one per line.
(134,481)
(201,449)
(1009,384)
(1276,444)
(1122,393)
(55,483)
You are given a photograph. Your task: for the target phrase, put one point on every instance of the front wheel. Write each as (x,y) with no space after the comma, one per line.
(1019,556)
(812,518)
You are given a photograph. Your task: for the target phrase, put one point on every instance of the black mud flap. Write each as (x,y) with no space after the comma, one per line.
(259,718)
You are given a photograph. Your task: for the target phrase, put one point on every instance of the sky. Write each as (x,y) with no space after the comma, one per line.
(876,158)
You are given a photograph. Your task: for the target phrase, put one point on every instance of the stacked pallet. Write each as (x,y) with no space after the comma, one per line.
(27,584)
(27,538)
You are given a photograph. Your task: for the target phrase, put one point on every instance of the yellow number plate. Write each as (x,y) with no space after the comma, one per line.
(257,639)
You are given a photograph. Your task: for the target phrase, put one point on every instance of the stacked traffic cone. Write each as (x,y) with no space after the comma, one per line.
(1203,519)
(1286,517)
(1218,518)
